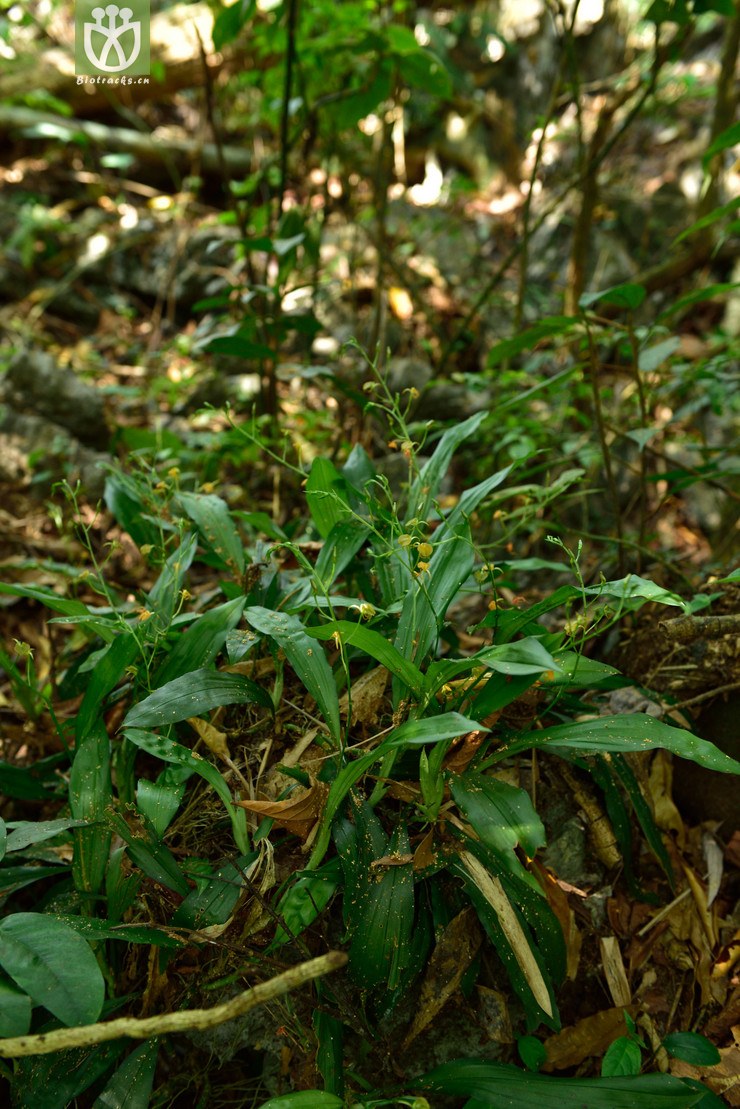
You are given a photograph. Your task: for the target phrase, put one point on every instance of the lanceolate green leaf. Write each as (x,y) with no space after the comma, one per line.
(211,516)
(426,486)
(305,900)
(636,732)
(108,672)
(502,817)
(54,966)
(432,729)
(89,795)
(307,659)
(165,593)
(375,645)
(131,1085)
(491,1084)
(431,595)
(167,749)
(470,500)
(192,694)
(326,495)
(200,644)
(25,833)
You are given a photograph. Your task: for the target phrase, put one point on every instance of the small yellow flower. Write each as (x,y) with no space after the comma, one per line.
(146,549)
(173,472)
(208,487)
(413,392)
(186,595)
(144,614)
(405,540)
(367,611)
(425,550)
(422,567)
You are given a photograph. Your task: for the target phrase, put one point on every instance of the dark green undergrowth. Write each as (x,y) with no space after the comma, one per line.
(321,666)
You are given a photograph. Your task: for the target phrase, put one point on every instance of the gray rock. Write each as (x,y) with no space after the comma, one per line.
(54,452)
(35,383)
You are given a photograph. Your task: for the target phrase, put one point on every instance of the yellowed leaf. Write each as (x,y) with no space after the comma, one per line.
(214,739)
(494,893)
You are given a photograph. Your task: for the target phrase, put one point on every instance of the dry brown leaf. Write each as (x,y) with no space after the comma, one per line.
(558,902)
(214,739)
(297,814)
(424,855)
(588,1037)
(455,951)
(462,751)
(367,696)
(660,784)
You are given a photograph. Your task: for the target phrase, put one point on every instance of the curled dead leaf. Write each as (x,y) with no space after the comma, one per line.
(297,813)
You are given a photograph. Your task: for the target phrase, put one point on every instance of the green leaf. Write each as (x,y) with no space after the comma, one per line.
(693,1048)
(525,340)
(15,1010)
(305,900)
(38,782)
(634,587)
(211,516)
(526,656)
(90,794)
(424,70)
(201,644)
(470,500)
(308,660)
(326,496)
(342,544)
(502,817)
(48,598)
(229,22)
(95,930)
(431,729)
(635,732)
(498,1084)
(532,1052)
(378,901)
(131,1085)
(108,672)
(330,1051)
(55,1081)
(623,1056)
(727,138)
(652,357)
(427,484)
(192,694)
(164,596)
(431,595)
(580,672)
(23,833)
(375,645)
(160,800)
(54,966)
(149,853)
(628,295)
(169,751)
(304,1099)
(215,901)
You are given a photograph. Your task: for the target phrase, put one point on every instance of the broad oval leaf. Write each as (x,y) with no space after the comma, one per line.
(54,966)
(211,516)
(623,1056)
(693,1048)
(192,694)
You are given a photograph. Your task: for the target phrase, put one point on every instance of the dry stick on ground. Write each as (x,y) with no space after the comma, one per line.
(188,1020)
